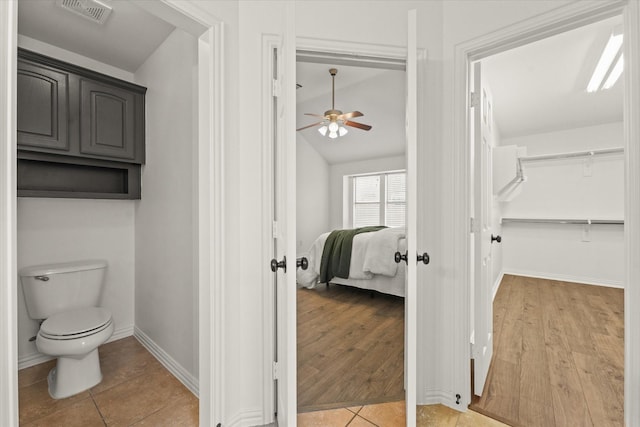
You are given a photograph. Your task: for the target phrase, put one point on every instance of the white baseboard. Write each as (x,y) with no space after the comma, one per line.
(246,418)
(435,397)
(32,359)
(566,278)
(496,285)
(120,333)
(167,361)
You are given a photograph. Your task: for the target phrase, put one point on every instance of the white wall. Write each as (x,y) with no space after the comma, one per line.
(560,189)
(443,25)
(57,230)
(166,309)
(245,284)
(339,171)
(60,230)
(312,195)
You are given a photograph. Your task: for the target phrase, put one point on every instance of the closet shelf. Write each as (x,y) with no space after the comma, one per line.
(564,221)
(574,154)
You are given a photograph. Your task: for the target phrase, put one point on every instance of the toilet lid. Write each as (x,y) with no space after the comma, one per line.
(76,322)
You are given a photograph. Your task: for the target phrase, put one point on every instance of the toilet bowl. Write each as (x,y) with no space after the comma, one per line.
(65,297)
(73,337)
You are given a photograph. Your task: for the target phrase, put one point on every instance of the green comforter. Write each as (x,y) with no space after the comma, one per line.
(336,255)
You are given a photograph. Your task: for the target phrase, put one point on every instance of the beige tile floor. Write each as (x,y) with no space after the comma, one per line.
(136,390)
(392,415)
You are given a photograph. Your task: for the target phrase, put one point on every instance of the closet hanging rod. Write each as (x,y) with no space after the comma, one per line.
(572,154)
(564,221)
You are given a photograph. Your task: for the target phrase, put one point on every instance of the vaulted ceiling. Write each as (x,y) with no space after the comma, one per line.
(541,87)
(125,40)
(537,88)
(377,93)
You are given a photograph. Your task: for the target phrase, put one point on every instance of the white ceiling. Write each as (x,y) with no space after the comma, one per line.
(124,41)
(541,87)
(379,94)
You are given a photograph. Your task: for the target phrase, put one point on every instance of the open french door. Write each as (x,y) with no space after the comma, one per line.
(482,341)
(284,222)
(284,185)
(410,302)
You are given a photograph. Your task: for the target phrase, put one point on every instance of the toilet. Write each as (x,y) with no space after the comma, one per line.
(65,298)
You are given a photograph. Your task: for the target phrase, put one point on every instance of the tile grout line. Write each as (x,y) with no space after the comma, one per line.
(97,408)
(368,420)
(352,418)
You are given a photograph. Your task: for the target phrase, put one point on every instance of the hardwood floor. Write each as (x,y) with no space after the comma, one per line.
(350,348)
(558,357)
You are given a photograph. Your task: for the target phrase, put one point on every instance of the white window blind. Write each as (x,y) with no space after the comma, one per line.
(395,200)
(378,199)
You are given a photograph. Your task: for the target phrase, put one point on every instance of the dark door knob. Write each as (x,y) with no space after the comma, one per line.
(275,264)
(496,239)
(424,258)
(400,257)
(302,263)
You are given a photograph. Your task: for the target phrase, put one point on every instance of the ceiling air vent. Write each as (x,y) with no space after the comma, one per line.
(94,10)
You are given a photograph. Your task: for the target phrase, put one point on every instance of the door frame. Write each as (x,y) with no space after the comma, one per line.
(208,30)
(8,202)
(556,21)
(368,53)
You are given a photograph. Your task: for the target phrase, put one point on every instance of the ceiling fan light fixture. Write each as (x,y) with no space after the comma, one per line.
(334,121)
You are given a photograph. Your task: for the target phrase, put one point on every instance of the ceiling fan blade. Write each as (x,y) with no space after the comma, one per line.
(357,125)
(310,126)
(314,115)
(347,116)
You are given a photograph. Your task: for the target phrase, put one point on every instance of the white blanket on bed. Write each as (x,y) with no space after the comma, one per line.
(380,253)
(372,253)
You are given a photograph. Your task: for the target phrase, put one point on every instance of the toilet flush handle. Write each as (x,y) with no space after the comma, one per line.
(43,278)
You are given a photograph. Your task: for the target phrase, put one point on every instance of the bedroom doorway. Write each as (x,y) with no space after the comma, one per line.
(556,200)
(351,343)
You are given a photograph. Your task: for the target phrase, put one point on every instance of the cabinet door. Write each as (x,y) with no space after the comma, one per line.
(43,109)
(107,121)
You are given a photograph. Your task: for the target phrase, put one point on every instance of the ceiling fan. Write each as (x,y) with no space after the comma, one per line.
(333,120)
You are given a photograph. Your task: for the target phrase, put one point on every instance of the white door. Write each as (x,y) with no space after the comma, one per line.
(284,227)
(410,304)
(482,347)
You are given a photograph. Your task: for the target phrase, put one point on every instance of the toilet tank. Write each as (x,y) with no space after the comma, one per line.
(52,288)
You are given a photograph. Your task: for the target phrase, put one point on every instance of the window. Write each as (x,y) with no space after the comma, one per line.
(378,199)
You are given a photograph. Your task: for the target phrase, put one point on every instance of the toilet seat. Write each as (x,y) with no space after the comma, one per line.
(74,324)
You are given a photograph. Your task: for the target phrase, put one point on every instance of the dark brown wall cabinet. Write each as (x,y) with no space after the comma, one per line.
(77,126)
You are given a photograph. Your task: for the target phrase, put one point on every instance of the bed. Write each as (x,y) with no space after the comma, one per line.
(372,264)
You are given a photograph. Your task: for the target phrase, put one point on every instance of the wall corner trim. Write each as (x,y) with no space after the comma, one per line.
(178,371)
(496,285)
